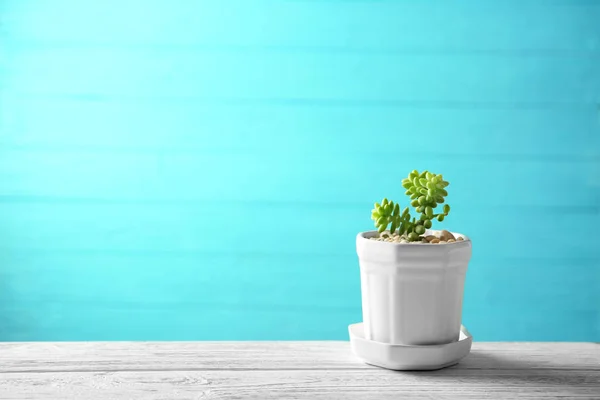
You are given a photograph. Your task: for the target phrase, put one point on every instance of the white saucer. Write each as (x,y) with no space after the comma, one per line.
(403,358)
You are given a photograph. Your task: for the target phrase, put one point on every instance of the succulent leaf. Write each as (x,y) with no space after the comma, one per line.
(426,191)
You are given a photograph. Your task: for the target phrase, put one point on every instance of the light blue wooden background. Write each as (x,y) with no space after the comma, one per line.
(184,169)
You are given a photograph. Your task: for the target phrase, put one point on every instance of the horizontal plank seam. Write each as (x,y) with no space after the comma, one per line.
(504,346)
(365,368)
(315,101)
(579,156)
(21,45)
(43,371)
(308,204)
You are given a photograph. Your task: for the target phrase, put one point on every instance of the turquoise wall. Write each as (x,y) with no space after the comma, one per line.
(191,170)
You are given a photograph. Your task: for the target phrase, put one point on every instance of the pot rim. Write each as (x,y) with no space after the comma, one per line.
(366,235)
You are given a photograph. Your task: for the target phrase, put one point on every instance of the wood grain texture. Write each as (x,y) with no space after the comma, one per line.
(211,76)
(266,179)
(294,370)
(114,126)
(268,355)
(145,143)
(467,25)
(327,385)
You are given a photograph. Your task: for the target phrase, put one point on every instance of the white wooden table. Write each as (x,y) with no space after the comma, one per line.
(287,370)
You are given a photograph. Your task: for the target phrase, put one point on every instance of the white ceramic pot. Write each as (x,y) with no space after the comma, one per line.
(412,293)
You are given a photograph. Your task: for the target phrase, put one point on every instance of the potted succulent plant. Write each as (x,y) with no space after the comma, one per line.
(412,277)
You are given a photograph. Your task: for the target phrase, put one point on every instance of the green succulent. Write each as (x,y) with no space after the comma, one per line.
(426,191)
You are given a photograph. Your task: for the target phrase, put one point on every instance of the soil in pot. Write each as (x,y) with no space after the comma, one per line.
(443,237)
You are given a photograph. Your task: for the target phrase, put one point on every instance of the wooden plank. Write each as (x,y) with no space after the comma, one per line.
(244,356)
(200,319)
(242,296)
(320,384)
(114,73)
(139,226)
(279,175)
(178,127)
(264,280)
(140,281)
(461,26)
(143,319)
(498,322)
